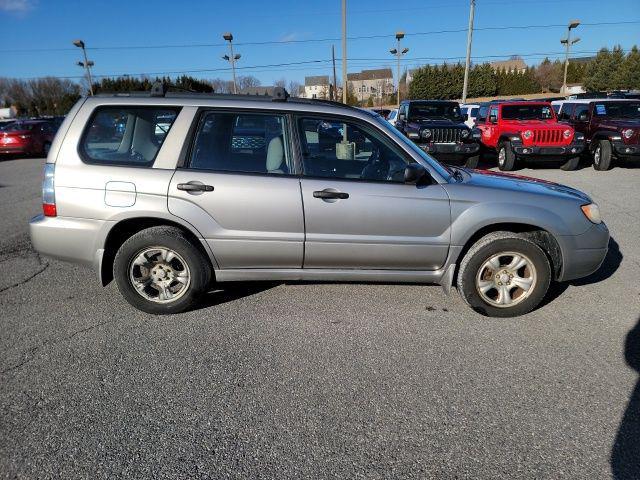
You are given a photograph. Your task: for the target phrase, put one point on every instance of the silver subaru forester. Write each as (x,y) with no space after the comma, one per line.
(168,193)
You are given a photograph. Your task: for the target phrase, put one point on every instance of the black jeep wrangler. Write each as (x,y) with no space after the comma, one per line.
(437,126)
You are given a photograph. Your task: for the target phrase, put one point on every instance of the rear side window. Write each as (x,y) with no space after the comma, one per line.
(241,142)
(126,135)
(474,112)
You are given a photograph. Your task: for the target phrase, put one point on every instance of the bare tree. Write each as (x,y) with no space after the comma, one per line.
(282,83)
(247,81)
(294,88)
(221,86)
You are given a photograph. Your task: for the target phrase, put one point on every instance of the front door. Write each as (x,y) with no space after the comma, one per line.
(238,189)
(358,211)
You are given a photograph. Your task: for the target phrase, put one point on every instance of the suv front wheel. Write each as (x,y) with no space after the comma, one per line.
(506,157)
(159,270)
(504,274)
(602,155)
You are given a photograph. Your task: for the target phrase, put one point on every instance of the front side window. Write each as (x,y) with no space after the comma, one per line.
(337,149)
(581,111)
(126,135)
(241,142)
(565,111)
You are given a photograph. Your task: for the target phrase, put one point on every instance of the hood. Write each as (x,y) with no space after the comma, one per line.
(620,123)
(528,124)
(519,183)
(436,122)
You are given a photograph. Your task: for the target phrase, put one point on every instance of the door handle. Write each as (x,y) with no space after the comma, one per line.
(330,194)
(195,187)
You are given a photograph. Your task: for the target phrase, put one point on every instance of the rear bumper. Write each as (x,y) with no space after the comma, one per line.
(583,254)
(571,150)
(4,150)
(626,149)
(69,239)
(458,149)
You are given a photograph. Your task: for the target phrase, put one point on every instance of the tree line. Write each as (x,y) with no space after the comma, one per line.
(608,70)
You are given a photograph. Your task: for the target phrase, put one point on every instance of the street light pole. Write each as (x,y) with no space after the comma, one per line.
(398,54)
(232,59)
(568,42)
(467,63)
(344,51)
(87,64)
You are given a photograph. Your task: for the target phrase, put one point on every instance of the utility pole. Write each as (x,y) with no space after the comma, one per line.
(87,64)
(344,51)
(231,58)
(467,63)
(334,97)
(568,42)
(398,54)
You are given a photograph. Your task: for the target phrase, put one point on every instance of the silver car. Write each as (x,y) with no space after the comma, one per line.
(169,193)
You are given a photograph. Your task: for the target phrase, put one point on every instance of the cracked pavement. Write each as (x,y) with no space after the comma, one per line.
(316,380)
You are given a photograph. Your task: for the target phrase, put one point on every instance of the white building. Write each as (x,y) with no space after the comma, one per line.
(316,87)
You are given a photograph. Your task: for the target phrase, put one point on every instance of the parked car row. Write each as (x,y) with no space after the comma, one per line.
(28,137)
(604,129)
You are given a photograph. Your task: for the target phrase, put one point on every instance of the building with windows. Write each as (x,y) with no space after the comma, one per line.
(317,86)
(371,83)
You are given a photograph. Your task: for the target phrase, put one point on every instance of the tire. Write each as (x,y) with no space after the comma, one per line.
(570,164)
(472,162)
(602,155)
(473,274)
(183,273)
(508,161)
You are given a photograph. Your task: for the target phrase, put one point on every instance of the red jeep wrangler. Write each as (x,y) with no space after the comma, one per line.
(527,129)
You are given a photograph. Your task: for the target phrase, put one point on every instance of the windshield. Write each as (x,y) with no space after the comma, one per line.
(526,112)
(434,110)
(617,109)
(398,136)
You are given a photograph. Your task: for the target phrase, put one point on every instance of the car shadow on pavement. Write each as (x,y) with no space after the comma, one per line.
(228,292)
(611,263)
(625,453)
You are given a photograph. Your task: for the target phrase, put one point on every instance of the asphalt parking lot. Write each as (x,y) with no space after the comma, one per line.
(318,380)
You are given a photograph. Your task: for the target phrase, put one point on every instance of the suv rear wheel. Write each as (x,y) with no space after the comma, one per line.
(506,157)
(602,155)
(504,274)
(158,270)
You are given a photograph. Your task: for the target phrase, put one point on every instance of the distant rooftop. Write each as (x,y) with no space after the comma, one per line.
(377,74)
(316,80)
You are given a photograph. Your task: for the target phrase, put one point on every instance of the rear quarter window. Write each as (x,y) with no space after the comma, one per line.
(126,135)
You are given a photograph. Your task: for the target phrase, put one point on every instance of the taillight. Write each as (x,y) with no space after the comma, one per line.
(48,191)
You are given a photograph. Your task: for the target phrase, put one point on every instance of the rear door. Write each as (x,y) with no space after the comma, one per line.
(239,189)
(359,213)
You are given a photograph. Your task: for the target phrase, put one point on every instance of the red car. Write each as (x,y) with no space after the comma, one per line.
(527,130)
(27,137)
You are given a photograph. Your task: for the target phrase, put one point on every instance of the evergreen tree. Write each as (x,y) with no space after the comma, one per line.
(598,72)
(629,72)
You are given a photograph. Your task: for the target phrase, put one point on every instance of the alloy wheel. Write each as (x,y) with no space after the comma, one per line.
(159,274)
(506,279)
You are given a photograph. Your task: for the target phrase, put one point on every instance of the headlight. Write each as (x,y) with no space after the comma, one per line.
(464,133)
(592,212)
(567,133)
(426,133)
(627,133)
(527,134)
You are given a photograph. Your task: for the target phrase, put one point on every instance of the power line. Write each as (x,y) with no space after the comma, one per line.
(314,40)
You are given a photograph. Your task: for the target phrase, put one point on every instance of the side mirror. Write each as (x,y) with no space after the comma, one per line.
(465,117)
(493,118)
(583,117)
(415,173)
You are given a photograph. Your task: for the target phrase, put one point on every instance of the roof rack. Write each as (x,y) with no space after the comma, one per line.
(161,90)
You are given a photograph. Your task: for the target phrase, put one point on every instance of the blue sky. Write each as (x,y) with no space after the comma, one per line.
(36,35)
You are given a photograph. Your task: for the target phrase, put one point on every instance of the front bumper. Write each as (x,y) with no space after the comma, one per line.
(69,239)
(583,254)
(626,149)
(572,150)
(460,149)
